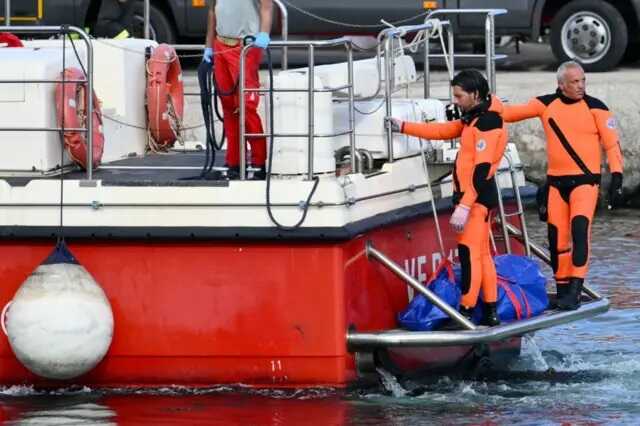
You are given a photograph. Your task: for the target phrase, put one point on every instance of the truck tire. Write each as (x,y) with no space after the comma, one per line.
(161,29)
(591,32)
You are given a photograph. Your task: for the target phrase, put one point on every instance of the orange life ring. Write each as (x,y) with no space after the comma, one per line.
(73,111)
(165,96)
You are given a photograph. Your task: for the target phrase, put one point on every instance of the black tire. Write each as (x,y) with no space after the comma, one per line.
(592,32)
(161,28)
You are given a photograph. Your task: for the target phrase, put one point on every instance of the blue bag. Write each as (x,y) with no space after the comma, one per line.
(521,287)
(421,314)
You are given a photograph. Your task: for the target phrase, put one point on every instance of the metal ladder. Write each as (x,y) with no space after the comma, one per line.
(507,228)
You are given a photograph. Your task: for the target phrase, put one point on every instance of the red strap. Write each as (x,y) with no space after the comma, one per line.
(526,302)
(512,297)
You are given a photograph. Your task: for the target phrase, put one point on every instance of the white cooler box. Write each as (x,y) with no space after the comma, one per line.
(290,115)
(370,130)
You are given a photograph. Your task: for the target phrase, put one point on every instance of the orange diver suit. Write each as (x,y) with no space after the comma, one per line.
(482,144)
(585,125)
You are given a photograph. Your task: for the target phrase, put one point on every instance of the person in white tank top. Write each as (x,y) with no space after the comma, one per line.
(230,21)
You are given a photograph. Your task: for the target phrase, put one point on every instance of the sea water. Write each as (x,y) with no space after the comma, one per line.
(582,373)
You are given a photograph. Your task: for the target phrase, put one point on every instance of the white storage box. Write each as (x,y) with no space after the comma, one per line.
(370,130)
(290,154)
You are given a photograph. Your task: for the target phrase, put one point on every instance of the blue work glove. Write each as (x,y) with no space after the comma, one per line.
(208,54)
(262,40)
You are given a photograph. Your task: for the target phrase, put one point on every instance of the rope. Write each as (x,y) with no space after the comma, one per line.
(349,24)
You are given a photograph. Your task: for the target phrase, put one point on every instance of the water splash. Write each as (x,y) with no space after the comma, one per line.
(391,384)
(531,350)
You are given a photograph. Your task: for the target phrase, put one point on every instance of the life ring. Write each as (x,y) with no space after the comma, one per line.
(73,111)
(165,97)
(10,40)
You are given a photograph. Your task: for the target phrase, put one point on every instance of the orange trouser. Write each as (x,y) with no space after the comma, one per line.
(570,215)
(478,269)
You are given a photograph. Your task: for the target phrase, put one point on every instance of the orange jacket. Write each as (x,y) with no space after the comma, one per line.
(482,144)
(586,124)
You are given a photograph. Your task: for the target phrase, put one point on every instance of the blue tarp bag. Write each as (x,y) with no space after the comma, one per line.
(421,314)
(521,287)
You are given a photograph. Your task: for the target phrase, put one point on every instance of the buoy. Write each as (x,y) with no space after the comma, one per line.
(74,112)
(165,97)
(59,323)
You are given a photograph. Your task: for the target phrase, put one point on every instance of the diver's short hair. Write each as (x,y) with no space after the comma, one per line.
(562,69)
(472,81)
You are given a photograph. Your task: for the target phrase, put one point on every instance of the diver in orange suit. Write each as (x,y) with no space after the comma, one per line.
(575,124)
(482,144)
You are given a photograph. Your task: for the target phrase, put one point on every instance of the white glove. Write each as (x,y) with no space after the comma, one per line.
(459,218)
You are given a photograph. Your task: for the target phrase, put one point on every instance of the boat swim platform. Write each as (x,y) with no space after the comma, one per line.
(367,341)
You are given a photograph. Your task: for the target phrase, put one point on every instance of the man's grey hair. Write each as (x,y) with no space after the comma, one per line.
(562,69)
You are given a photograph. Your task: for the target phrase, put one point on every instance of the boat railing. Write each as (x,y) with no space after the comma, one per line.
(88,129)
(389,38)
(311,90)
(392,266)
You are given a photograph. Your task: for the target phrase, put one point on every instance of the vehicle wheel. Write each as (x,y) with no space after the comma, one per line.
(591,32)
(160,27)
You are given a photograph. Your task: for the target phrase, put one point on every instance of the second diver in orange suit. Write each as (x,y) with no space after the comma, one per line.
(482,144)
(576,126)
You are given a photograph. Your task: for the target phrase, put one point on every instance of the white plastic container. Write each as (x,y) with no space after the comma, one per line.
(369,125)
(291,154)
(366,76)
(30,105)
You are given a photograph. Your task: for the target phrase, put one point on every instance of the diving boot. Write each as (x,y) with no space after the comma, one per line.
(570,301)
(490,315)
(561,290)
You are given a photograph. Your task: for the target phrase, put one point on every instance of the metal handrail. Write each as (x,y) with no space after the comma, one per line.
(147,19)
(519,206)
(7,13)
(433,298)
(489,35)
(311,90)
(63,29)
(401,338)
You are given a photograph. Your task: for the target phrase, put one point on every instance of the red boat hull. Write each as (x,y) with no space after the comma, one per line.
(261,313)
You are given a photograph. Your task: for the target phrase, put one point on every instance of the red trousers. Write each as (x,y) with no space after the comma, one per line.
(227,72)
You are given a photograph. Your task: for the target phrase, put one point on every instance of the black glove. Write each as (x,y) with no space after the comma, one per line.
(453,112)
(615,191)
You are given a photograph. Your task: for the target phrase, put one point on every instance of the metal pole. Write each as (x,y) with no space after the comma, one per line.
(147,19)
(503,219)
(490,52)
(311,110)
(355,166)
(284,14)
(7,12)
(433,298)
(452,57)
(520,207)
(388,62)
(242,113)
(427,71)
